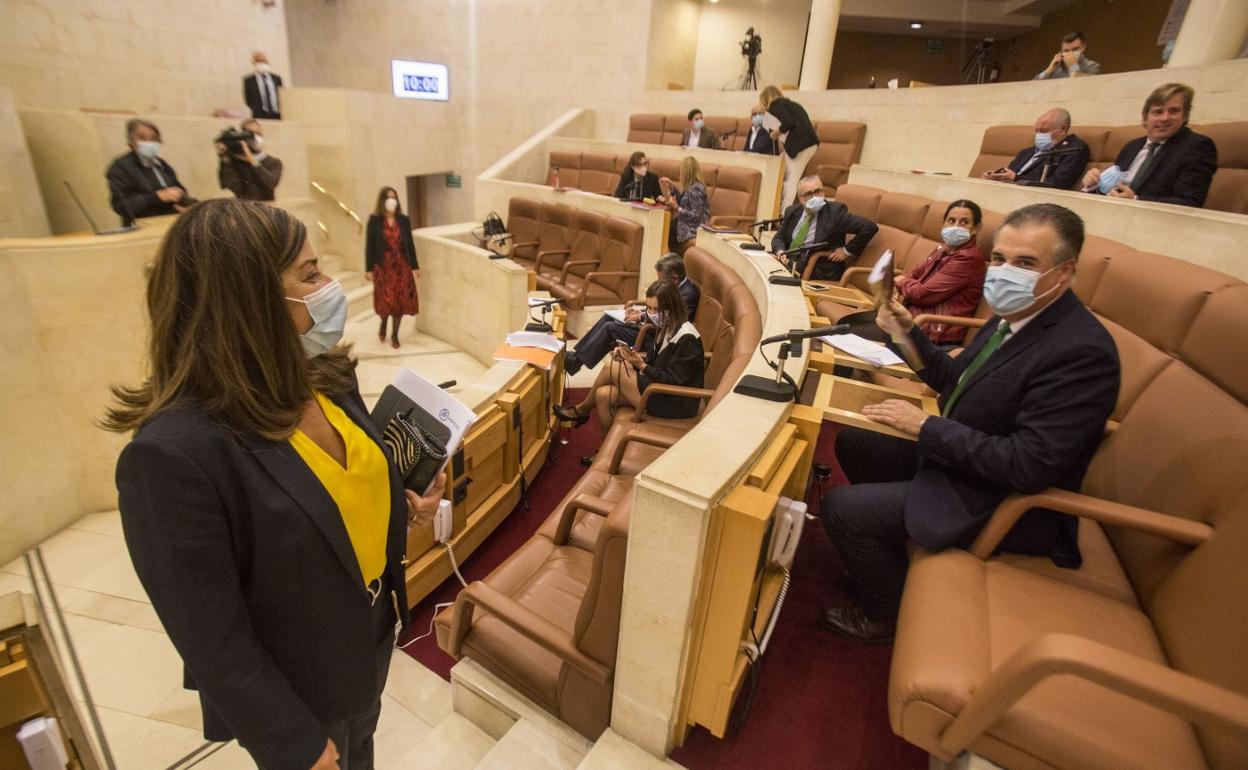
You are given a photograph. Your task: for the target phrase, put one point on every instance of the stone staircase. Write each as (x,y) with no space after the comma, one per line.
(359,290)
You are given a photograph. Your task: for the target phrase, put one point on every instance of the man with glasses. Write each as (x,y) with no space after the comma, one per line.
(814,221)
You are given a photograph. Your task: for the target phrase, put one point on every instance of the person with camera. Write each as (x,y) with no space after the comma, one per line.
(1071,60)
(245,169)
(140,183)
(797,133)
(261,508)
(390,263)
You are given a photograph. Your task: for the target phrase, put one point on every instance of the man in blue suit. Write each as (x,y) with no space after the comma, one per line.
(1023,408)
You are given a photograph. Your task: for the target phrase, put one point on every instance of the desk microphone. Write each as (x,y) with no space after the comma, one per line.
(793,335)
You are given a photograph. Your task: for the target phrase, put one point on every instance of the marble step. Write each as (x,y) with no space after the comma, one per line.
(526,747)
(359,299)
(613,752)
(350,279)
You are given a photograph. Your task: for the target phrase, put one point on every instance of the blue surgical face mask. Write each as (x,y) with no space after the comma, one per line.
(147,150)
(955,236)
(328,308)
(815,203)
(757,119)
(1109,178)
(698,123)
(1043,141)
(1009,289)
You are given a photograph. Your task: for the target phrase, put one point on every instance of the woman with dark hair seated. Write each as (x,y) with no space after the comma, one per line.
(673,356)
(637,181)
(949,282)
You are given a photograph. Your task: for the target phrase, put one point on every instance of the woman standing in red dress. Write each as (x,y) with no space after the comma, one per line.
(390,263)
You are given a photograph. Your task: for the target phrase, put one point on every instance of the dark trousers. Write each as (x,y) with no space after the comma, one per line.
(601,339)
(866,520)
(354,736)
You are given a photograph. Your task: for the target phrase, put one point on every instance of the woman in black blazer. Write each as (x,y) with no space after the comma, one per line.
(800,139)
(390,263)
(673,356)
(637,181)
(278,578)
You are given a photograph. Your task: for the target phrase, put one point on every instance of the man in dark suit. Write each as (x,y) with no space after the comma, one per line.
(261,88)
(759,138)
(606,331)
(140,184)
(1057,159)
(697,134)
(815,220)
(1023,408)
(1171,163)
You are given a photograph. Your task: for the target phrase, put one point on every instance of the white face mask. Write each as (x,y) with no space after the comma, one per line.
(392,204)
(262,67)
(640,171)
(815,203)
(257,142)
(328,308)
(955,236)
(1009,290)
(147,150)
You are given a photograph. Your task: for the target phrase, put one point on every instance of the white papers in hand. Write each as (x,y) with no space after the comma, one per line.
(884,263)
(437,402)
(535,340)
(860,347)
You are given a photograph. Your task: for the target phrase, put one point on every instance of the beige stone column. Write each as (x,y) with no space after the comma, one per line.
(1212,31)
(820,38)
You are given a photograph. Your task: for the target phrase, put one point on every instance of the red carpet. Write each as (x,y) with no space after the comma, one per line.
(821,701)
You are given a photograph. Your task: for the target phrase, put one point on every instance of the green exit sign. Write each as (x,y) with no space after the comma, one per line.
(454,181)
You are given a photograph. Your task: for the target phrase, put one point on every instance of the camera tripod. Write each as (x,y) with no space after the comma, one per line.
(750,81)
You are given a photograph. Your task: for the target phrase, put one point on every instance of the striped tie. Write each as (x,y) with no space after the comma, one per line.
(987,350)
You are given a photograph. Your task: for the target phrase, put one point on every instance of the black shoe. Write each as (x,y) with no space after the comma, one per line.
(570,415)
(571,364)
(852,623)
(588,460)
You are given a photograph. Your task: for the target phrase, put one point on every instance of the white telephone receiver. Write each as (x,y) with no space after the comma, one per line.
(443,523)
(786,531)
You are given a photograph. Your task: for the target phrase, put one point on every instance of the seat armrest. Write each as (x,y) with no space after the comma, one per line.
(812,260)
(1013,507)
(951,320)
(597,274)
(850,272)
(563,274)
(640,437)
(568,516)
(523,621)
(1187,697)
(541,255)
(526,243)
(702,394)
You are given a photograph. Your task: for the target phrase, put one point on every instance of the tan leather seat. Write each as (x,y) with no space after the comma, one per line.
(1136,658)
(645,129)
(569,165)
(598,174)
(524,222)
(734,199)
(609,278)
(546,621)
(840,146)
(1229,189)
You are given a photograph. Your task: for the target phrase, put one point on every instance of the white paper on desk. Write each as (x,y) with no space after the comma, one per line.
(535,340)
(616,313)
(860,347)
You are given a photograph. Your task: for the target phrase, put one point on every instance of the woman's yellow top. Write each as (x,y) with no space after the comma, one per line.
(361,490)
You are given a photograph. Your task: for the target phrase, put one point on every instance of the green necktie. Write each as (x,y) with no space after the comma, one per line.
(1140,176)
(800,236)
(987,350)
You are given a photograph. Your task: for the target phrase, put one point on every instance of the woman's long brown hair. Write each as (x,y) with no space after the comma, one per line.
(671,305)
(222,337)
(380,208)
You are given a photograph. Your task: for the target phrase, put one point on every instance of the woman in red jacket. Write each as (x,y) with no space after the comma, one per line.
(951,279)
(949,282)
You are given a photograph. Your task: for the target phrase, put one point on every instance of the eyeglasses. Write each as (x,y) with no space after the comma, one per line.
(808,194)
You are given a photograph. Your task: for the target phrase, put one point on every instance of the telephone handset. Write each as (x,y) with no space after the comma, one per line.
(786,531)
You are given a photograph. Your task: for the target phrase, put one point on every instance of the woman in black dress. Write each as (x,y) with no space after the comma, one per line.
(672,356)
(390,263)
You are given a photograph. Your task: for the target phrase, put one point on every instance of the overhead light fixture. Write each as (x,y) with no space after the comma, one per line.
(916,25)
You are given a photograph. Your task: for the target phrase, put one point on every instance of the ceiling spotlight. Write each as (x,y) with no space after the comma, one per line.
(916,25)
